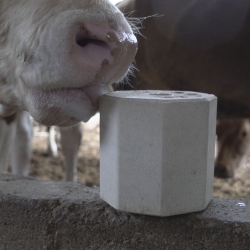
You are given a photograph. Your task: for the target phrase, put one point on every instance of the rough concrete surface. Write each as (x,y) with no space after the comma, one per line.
(42,215)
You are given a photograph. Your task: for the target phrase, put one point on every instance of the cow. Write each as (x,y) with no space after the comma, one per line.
(57,58)
(199,46)
(18,144)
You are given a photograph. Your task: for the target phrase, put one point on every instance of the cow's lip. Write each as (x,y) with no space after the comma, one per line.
(64,106)
(94,92)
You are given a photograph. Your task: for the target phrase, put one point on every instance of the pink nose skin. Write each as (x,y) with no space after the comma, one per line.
(99,45)
(93,48)
(105,53)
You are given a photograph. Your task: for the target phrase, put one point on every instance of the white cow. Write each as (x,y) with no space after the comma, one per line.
(18,144)
(57,57)
(16,139)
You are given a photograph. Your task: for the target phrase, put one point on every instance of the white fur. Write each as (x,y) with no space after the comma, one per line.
(45,71)
(21,149)
(16,141)
(71,141)
(6,138)
(42,67)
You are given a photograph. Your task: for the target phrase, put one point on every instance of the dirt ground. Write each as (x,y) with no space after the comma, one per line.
(49,168)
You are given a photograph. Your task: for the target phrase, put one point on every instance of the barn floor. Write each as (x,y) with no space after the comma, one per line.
(49,168)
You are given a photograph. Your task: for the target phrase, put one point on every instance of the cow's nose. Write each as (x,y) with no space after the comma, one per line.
(99,46)
(92,45)
(222,171)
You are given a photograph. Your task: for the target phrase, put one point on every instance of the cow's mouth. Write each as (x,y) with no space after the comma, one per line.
(64,106)
(72,95)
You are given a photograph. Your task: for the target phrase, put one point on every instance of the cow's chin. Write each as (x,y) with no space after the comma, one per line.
(64,107)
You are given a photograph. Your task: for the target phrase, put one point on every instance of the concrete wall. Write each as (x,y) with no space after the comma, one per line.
(37,215)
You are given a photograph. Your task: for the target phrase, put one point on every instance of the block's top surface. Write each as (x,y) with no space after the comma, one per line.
(161,95)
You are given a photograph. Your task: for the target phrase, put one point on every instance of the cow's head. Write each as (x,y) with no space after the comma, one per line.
(57,57)
(233,140)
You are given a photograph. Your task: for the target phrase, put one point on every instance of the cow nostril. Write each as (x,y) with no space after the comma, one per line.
(84,42)
(221,171)
(244,134)
(83,39)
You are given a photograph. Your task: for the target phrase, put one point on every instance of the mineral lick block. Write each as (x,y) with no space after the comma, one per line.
(157,151)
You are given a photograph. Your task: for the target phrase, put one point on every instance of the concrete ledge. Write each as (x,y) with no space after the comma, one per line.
(59,215)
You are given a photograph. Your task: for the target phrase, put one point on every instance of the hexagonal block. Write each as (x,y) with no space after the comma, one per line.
(157,151)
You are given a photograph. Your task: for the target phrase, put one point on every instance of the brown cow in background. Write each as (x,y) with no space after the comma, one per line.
(200,46)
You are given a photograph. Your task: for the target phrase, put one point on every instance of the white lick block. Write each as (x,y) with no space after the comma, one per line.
(157,151)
